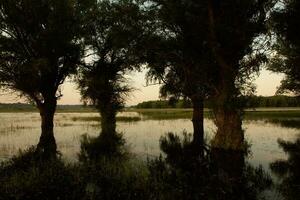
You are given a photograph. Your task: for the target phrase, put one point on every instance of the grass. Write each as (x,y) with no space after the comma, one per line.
(167,113)
(170,113)
(263,113)
(272,114)
(289,123)
(120,119)
(14,128)
(31,108)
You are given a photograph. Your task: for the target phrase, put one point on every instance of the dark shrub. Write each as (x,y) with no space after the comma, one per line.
(114,179)
(27,177)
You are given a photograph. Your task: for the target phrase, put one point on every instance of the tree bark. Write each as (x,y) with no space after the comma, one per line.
(47,145)
(229,133)
(198,137)
(227,115)
(108,122)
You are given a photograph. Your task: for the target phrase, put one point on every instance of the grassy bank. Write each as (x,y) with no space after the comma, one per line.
(260,113)
(160,114)
(19,107)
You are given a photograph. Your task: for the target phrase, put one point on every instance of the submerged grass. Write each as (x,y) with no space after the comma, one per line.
(121,119)
(278,114)
(288,123)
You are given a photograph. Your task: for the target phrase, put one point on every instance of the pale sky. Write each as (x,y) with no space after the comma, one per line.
(266,84)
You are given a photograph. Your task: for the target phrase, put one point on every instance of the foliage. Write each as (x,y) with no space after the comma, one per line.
(284,24)
(249,101)
(273,101)
(111,43)
(27,177)
(38,48)
(164,104)
(177,53)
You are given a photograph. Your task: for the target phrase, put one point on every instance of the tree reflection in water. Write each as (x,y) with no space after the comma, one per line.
(288,170)
(215,174)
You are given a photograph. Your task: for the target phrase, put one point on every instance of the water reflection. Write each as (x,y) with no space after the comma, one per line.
(180,173)
(142,136)
(288,123)
(218,174)
(288,170)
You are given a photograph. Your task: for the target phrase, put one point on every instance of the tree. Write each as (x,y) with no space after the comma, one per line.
(235,27)
(112,31)
(284,23)
(179,57)
(38,50)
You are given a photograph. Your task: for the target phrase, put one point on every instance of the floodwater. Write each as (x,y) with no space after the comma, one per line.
(22,130)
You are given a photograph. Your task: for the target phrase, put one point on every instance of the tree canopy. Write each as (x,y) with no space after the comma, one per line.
(38,47)
(38,50)
(285,24)
(112,31)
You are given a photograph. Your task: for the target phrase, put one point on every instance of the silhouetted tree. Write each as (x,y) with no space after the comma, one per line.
(112,30)
(234,28)
(178,55)
(38,50)
(285,24)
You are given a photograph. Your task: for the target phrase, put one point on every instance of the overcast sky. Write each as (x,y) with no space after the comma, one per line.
(266,83)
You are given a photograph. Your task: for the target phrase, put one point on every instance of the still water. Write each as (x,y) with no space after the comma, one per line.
(22,130)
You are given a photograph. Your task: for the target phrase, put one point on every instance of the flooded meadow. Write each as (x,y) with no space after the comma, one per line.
(142,131)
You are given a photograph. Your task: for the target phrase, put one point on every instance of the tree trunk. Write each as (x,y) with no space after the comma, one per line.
(229,129)
(228,118)
(198,137)
(47,145)
(108,122)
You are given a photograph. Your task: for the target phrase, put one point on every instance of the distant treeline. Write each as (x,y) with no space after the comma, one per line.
(253,101)
(23,107)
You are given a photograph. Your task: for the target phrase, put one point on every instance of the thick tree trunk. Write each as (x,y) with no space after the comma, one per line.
(47,145)
(228,115)
(108,122)
(229,129)
(198,137)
